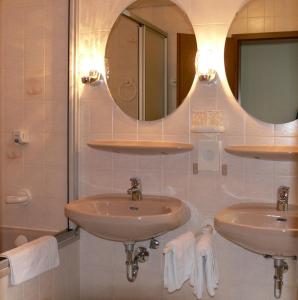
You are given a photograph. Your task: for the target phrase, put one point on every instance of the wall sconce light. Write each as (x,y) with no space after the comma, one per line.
(93,78)
(205,65)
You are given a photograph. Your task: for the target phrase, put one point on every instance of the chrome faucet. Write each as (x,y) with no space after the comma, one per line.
(283,198)
(136,189)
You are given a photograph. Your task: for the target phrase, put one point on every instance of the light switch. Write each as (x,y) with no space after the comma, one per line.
(209,155)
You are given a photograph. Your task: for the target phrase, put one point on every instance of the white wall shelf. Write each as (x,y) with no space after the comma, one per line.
(266,152)
(141,147)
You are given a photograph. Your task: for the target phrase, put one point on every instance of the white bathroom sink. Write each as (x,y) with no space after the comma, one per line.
(261,228)
(116,217)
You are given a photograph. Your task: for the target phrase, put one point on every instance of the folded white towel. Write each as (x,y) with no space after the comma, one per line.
(205,264)
(179,260)
(32,259)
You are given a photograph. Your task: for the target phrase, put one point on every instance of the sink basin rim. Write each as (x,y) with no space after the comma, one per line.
(75,205)
(261,206)
(265,238)
(128,227)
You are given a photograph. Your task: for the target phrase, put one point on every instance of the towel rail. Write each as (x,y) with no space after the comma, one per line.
(206,228)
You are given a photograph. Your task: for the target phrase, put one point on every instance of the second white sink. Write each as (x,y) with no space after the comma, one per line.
(261,228)
(116,217)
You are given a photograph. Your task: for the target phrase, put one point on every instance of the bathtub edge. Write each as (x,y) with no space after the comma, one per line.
(64,238)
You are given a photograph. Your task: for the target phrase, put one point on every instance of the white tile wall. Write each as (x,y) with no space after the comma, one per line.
(244,275)
(33,96)
(266,15)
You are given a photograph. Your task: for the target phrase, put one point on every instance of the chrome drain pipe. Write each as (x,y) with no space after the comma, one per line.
(280,267)
(133,258)
(131,268)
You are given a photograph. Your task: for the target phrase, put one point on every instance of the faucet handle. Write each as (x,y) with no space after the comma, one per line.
(283,192)
(135,181)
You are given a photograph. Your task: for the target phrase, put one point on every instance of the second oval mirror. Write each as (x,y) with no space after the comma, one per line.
(150,59)
(261,59)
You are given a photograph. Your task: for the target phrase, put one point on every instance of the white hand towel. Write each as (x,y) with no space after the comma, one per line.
(197,276)
(32,259)
(179,261)
(205,266)
(211,267)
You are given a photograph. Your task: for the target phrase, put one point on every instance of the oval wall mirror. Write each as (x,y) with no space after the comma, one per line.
(150,59)
(261,59)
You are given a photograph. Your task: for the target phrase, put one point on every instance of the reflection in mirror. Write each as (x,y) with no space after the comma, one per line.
(150,59)
(261,59)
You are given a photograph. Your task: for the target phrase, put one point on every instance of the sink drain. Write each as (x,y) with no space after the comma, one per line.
(281,219)
(133,208)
